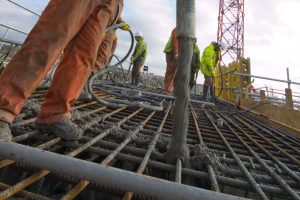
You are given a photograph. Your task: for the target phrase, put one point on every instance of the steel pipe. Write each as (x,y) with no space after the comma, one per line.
(27,9)
(161,95)
(14,29)
(185,30)
(231,182)
(4,40)
(108,176)
(266,78)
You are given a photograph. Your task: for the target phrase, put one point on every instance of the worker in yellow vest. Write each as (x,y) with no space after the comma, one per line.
(138,58)
(209,61)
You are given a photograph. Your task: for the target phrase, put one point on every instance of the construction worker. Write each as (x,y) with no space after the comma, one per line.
(195,65)
(138,57)
(104,56)
(209,61)
(171,50)
(76,27)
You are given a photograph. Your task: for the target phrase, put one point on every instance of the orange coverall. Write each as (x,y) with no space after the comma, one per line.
(76,27)
(106,50)
(171,64)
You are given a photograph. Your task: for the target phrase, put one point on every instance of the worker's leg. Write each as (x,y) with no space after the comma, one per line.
(137,70)
(58,24)
(103,58)
(104,51)
(74,69)
(205,91)
(212,90)
(134,74)
(206,86)
(170,74)
(192,78)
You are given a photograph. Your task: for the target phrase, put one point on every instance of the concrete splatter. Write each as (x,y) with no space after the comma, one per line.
(203,156)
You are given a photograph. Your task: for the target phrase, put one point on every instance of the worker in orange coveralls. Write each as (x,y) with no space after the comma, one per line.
(171,51)
(104,56)
(76,27)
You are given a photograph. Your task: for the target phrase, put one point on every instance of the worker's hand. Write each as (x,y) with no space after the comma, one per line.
(126,26)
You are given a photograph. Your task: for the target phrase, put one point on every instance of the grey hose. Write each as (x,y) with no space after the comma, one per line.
(139,100)
(91,80)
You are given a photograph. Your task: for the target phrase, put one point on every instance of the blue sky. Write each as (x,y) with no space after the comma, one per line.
(271,26)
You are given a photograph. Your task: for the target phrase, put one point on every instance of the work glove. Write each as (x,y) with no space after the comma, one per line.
(126,26)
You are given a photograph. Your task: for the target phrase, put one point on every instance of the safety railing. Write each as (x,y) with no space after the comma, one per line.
(9,47)
(9,28)
(270,94)
(24,8)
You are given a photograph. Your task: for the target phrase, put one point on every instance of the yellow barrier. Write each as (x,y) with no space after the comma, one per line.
(233,83)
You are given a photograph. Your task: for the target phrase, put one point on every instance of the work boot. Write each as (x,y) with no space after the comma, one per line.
(212,94)
(205,91)
(5,133)
(85,97)
(64,128)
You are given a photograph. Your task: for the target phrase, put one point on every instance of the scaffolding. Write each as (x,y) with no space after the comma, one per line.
(231,29)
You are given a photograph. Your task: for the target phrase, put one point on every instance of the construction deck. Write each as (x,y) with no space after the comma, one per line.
(247,157)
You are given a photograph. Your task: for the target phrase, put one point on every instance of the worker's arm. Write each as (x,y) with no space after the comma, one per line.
(135,52)
(140,50)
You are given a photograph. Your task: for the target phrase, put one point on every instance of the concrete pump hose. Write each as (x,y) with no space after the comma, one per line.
(91,80)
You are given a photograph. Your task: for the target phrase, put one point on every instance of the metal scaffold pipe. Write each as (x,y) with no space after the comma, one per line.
(107,176)
(186,37)
(27,9)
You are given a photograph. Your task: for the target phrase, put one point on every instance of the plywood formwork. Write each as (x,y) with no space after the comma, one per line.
(279,114)
(235,88)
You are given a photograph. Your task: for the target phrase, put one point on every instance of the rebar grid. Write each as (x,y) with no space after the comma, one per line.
(252,159)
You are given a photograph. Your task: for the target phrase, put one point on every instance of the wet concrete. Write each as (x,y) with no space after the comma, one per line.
(30,109)
(203,156)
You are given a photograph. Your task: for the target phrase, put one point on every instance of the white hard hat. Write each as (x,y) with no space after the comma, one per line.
(222,46)
(138,34)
